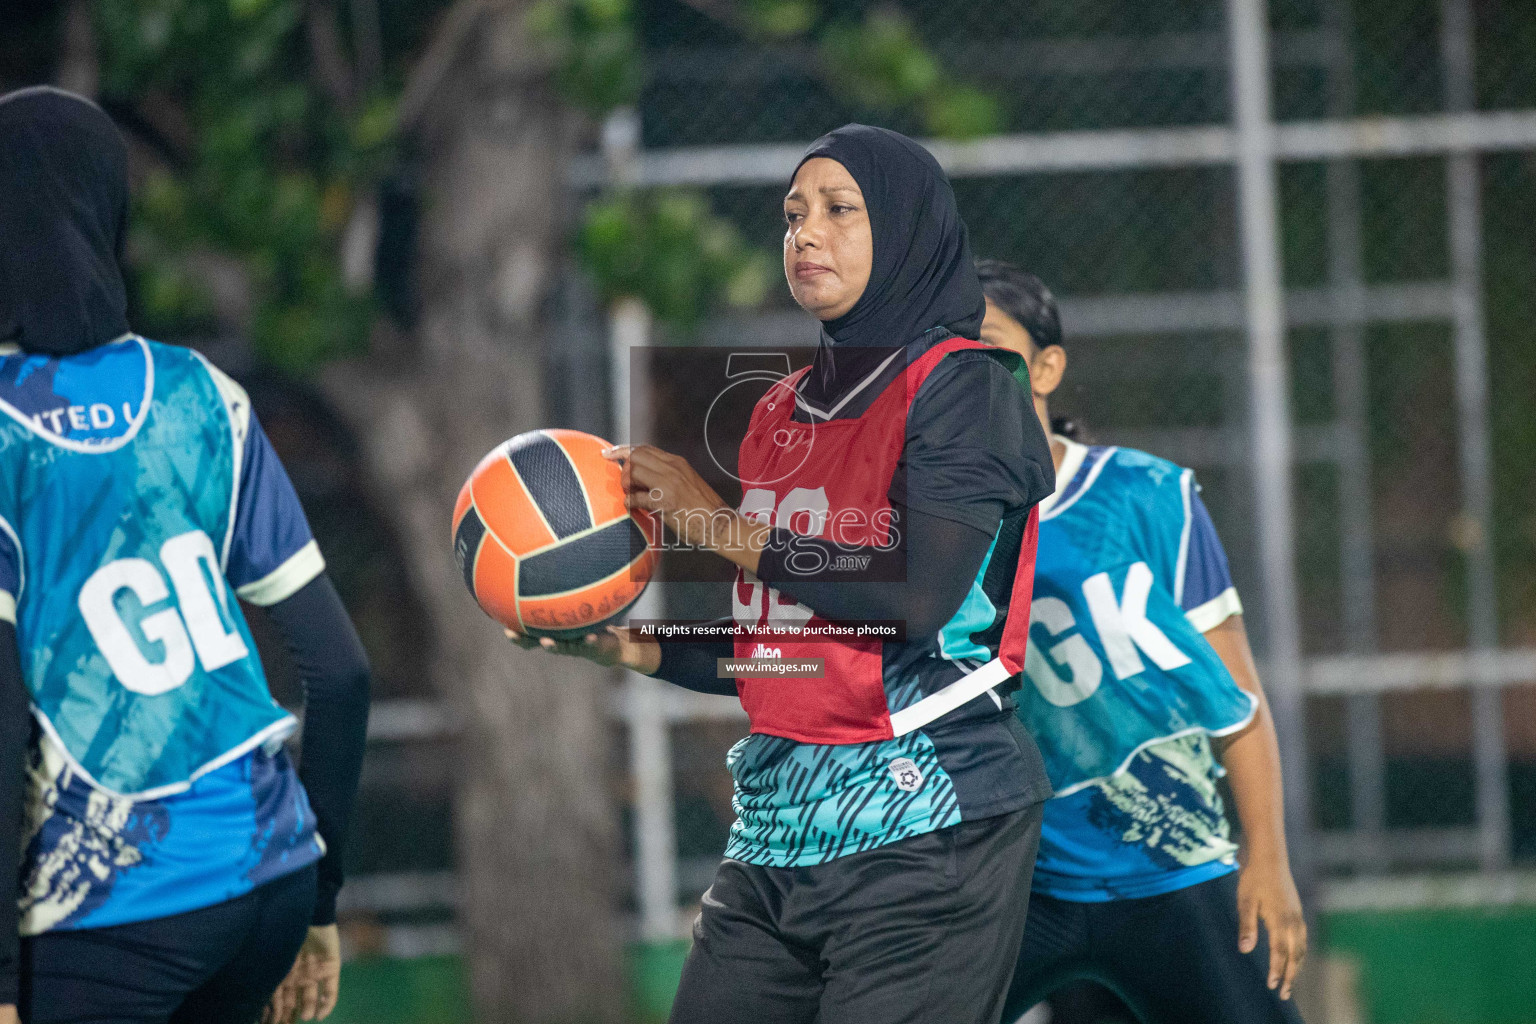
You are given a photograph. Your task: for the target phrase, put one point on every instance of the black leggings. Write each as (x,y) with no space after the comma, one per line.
(917,932)
(217,965)
(1172,959)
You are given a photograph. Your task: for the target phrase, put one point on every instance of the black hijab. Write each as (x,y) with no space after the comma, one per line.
(63,211)
(922,286)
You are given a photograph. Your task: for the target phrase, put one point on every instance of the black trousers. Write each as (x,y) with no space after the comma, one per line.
(217,965)
(917,932)
(1172,959)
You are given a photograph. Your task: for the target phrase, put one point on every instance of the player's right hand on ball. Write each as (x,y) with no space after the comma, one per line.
(613,647)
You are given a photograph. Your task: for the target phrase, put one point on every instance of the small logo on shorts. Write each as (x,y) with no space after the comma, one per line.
(909,778)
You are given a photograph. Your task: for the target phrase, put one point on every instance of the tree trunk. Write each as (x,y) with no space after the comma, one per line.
(79,68)
(536,826)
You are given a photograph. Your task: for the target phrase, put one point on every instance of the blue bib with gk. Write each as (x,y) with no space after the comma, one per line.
(1114,665)
(117,484)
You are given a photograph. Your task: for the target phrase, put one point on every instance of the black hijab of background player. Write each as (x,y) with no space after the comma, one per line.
(922,278)
(63,213)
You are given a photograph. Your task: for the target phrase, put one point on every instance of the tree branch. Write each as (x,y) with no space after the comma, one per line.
(438,60)
(328,60)
(78,68)
(722,11)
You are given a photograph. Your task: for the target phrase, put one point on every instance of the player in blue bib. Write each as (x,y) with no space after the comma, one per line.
(1141,692)
(172,861)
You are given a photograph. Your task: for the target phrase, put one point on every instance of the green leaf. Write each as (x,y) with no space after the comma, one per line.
(547,21)
(604,70)
(670,250)
(881,62)
(605,13)
(781,19)
(246,9)
(375,126)
(961,112)
(751,281)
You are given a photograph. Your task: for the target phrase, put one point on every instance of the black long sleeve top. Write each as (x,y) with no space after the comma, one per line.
(329,657)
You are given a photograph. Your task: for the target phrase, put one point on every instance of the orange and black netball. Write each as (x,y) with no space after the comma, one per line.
(543,539)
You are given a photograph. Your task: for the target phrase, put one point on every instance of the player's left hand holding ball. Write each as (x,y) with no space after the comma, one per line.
(1266,892)
(667,485)
(309,992)
(612,647)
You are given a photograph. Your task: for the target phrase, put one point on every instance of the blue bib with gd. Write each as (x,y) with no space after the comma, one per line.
(139,662)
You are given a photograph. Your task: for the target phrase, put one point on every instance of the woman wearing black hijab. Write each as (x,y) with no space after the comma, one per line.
(888,803)
(173,864)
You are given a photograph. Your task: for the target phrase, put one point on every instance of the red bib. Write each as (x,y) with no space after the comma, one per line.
(830,480)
